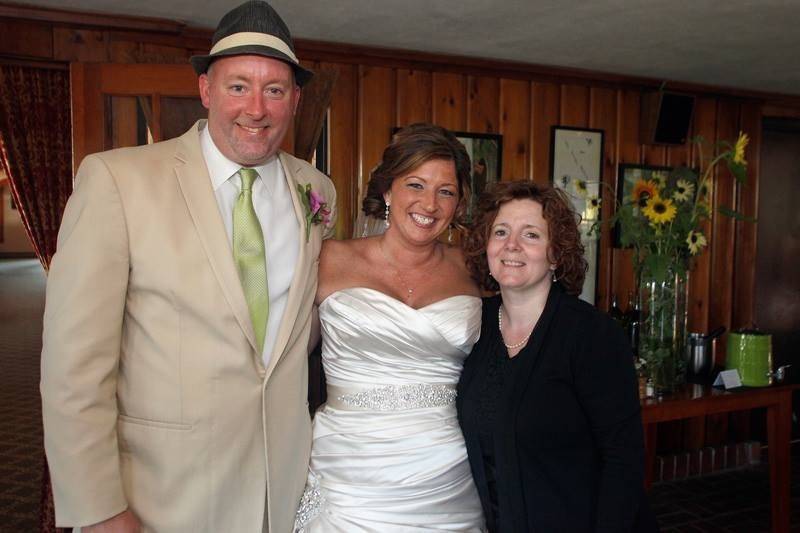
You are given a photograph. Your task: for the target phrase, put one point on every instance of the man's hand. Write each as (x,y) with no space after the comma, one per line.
(124,522)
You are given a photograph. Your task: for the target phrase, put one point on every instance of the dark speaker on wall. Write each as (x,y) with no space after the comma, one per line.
(666,117)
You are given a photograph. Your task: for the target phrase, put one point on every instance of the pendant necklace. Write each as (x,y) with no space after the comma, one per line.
(409,289)
(521,343)
(406,285)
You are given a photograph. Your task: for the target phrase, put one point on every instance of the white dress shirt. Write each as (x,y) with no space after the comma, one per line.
(275,211)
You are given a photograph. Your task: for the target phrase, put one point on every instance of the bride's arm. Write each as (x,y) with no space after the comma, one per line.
(327,253)
(313,339)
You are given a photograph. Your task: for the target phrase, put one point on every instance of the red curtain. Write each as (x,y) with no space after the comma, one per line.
(36,155)
(36,149)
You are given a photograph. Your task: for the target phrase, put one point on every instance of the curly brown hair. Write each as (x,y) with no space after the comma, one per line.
(566,250)
(410,147)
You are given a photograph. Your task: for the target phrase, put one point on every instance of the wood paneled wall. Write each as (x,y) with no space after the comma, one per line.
(378,90)
(370,100)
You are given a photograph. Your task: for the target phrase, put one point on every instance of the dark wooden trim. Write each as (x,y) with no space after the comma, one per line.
(781,111)
(17,255)
(189,40)
(34,63)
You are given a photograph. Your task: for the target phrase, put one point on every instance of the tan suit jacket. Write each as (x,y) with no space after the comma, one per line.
(154,394)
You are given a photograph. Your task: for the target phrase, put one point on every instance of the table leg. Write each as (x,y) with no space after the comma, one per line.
(779,420)
(650,437)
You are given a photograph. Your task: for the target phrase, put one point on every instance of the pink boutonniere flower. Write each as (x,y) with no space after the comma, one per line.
(316,207)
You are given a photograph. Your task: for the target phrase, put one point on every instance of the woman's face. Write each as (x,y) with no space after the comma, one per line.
(423,201)
(518,246)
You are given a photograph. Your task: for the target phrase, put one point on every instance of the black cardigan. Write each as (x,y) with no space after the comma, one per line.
(569,450)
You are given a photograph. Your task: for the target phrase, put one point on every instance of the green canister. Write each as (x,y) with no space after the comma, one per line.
(750,352)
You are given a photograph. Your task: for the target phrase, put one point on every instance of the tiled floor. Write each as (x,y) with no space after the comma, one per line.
(733,502)
(21,306)
(730,502)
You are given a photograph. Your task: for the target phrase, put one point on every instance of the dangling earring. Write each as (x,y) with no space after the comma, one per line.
(386,215)
(555,278)
(450,234)
(364,230)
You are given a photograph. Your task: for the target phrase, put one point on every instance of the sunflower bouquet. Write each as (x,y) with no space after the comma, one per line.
(662,219)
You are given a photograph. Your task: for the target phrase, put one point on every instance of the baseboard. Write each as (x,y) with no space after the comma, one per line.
(708,460)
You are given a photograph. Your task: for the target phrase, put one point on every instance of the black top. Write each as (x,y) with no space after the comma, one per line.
(500,374)
(567,443)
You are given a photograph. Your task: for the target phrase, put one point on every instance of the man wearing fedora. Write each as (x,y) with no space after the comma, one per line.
(174,367)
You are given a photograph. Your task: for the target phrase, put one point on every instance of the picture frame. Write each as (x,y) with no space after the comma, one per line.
(485,152)
(321,159)
(576,167)
(627,175)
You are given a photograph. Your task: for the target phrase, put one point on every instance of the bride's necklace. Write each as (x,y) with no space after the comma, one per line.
(521,343)
(406,285)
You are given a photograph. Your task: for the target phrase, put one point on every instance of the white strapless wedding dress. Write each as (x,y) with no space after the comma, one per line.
(388,454)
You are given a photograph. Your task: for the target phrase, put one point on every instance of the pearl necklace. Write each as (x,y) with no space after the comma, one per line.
(521,343)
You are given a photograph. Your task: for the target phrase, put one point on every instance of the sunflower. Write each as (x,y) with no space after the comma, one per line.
(659,210)
(581,188)
(659,177)
(683,191)
(643,190)
(696,241)
(592,207)
(738,149)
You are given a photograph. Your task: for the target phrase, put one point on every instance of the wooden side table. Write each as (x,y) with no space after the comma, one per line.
(697,400)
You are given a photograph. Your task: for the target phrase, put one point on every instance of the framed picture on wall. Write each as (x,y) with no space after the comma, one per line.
(576,167)
(627,176)
(320,159)
(486,153)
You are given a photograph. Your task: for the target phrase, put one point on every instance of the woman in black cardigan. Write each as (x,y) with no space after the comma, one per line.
(548,399)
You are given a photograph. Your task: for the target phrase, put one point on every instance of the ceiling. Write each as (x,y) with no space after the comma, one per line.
(745,44)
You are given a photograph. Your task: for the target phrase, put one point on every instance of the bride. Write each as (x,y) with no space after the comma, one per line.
(399,314)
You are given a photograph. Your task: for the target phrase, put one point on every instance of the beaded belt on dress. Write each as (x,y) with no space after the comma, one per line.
(391,397)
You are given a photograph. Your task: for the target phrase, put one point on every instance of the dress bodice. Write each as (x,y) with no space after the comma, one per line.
(372,339)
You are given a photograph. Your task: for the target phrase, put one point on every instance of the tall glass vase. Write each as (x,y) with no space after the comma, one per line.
(663,326)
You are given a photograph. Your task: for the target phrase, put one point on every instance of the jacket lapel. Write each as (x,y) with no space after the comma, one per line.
(195,184)
(293,173)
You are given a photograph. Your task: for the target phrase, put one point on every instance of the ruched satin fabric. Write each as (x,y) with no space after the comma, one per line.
(382,471)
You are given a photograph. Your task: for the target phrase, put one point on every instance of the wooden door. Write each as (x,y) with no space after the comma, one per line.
(117,105)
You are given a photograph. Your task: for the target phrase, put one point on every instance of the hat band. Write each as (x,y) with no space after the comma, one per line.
(246,38)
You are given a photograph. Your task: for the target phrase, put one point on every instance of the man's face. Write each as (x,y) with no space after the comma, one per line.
(251,101)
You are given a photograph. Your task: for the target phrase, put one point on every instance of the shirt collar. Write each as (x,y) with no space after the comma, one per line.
(220,168)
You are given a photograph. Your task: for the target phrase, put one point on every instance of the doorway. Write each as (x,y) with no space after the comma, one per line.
(777,285)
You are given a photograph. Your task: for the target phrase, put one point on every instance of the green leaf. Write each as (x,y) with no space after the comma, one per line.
(738,170)
(728,212)
(304,197)
(657,265)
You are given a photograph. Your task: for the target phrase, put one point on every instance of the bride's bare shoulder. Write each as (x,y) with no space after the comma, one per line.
(458,272)
(344,256)
(333,250)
